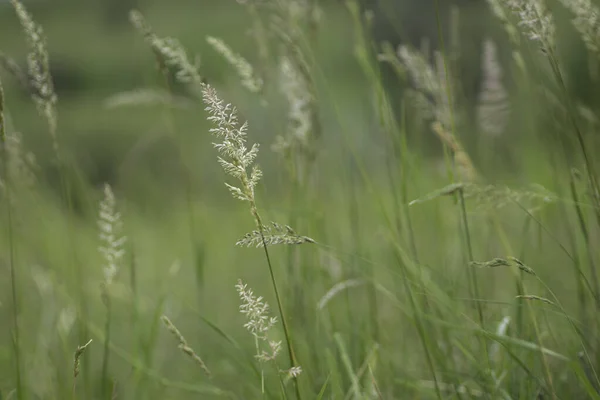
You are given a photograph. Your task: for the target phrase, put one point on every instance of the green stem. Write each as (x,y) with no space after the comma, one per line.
(11,250)
(277,297)
(105,381)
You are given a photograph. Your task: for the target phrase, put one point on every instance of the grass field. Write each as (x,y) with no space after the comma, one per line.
(436,207)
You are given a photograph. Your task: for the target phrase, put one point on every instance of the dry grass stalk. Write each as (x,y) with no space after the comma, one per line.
(183,345)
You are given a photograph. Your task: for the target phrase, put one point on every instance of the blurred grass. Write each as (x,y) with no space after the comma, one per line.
(351,216)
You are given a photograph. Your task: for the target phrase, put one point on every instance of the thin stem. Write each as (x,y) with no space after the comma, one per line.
(105,358)
(11,249)
(593,182)
(278,298)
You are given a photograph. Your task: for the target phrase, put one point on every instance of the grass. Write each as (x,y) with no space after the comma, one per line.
(408,257)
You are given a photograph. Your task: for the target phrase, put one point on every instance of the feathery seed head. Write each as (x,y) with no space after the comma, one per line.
(168,51)
(77,357)
(183,345)
(243,68)
(586,21)
(236,157)
(110,225)
(294,372)
(499,10)
(256,311)
(272,235)
(295,88)
(431,85)
(536,21)
(493,108)
(424,77)
(38,64)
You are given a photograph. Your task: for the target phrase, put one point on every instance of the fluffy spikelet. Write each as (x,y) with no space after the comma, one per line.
(433,87)
(274,234)
(168,51)
(294,87)
(462,161)
(238,161)
(493,108)
(77,357)
(237,158)
(259,323)
(38,65)
(495,197)
(586,21)
(501,262)
(535,21)
(110,224)
(499,9)
(423,75)
(183,345)
(243,68)
(535,298)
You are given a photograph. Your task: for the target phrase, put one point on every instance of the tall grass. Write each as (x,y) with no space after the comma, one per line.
(404,275)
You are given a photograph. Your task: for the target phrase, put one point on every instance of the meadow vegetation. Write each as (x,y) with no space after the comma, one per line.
(288,227)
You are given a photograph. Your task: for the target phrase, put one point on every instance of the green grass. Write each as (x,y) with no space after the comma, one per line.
(395,299)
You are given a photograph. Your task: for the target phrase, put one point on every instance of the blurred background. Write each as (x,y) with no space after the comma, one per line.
(95,54)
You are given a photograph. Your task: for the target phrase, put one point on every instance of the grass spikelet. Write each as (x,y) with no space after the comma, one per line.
(462,161)
(168,51)
(535,298)
(499,10)
(111,237)
(522,266)
(259,323)
(273,234)
(496,262)
(237,158)
(294,87)
(38,66)
(77,359)
(183,345)
(535,21)
(493,108)
(256,311)
(433,87)
(490,197)
(236,161)
(445,191)
(501,262)
(243,68)
(112,249)
(586,22)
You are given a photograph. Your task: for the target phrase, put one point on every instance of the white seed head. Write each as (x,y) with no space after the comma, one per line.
(236,158)
(535,21)
(111,238)
(493,107)
(243,68)
(586,21)
(256,311)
